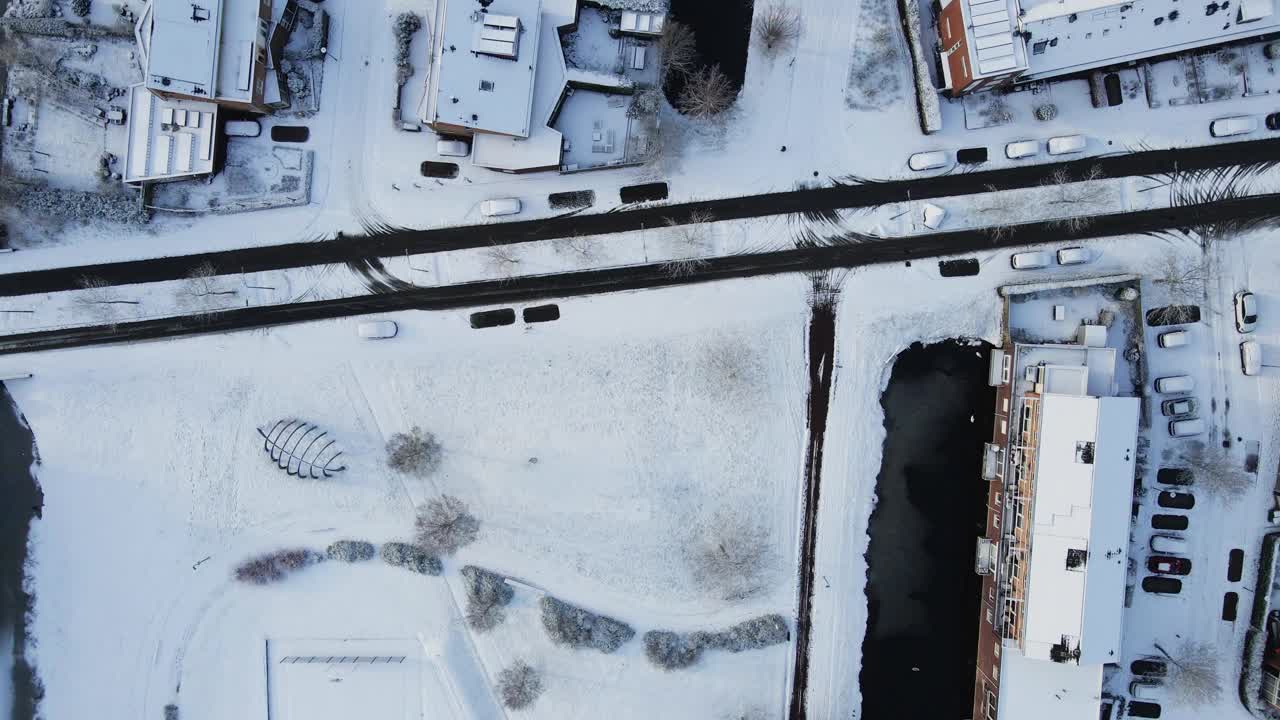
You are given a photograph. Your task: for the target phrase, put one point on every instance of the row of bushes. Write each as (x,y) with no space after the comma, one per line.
(279,564)
(673,651)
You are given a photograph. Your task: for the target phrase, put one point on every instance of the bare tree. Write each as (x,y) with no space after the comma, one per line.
(1193,678)
(100,299)
(1074,195)
(584,247)
(201,281)
(685,267)
(1185,279)
(519,685)
(777,26)
(728,555)
(694,233)
(501,259)
(677,50)
(1216,471)
(416,452)
(445,525)
(707,93)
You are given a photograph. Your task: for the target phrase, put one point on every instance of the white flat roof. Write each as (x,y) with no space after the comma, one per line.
(1085,507)
(479,91)
(168,139)
(183,54)
(1073,35)
(236,49)
(1037,690)
(1100,363)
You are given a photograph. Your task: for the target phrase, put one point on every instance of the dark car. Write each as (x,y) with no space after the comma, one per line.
(1170,522)
(1176,500)
(1169,565)
(1161,585)
(1141,709)
(1149,667)
(1174,476)
(1273,121)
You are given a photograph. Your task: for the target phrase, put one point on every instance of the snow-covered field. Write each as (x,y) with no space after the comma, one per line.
(593,450)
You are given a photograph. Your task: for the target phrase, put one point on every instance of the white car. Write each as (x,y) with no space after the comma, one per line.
(933,216)
(1022,149)
(452,148)
(1175,384)
(1173,339)
(1067,144)
(1234,125)
(1250,357)
(1073,256)
(1171,544)
(1186,428)
(1246,311)
(1031,260)
(500,206)
(931,160)
(377,329)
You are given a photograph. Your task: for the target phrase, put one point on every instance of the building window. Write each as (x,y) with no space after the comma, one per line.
(1084,452)
(486,85)
(1038,47)
(1076,559)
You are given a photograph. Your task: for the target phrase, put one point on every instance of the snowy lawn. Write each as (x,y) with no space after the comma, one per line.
(595,452)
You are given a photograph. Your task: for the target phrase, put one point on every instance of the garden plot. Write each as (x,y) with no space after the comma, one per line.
(597,454)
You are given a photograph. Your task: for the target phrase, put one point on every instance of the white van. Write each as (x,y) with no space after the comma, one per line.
(1074,256)
(1168,544)
(1234,125)
(1175,384)
(1250,357)
(242,128)
(1067,144)
(1173,339)
(500,206)
(1144,690)
(1031,260)
(1186,428)
(1022,149)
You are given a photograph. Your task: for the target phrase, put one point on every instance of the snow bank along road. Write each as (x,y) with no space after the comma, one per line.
(842,252)
(852,194)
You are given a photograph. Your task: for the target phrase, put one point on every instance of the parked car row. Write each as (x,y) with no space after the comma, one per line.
(1037,259)
(1181,410)
(1245,307)
(1017,150)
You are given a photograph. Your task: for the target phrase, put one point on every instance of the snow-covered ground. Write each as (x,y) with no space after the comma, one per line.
(592,451)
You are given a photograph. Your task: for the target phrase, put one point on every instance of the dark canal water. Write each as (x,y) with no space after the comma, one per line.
(22,501)
(918,657)
(722,30)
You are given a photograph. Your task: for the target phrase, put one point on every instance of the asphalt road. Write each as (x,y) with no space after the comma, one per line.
(853,194)
(588,282)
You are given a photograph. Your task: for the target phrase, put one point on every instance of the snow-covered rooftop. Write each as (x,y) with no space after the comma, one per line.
(1072,35)
(477,90)
(183,54)
(1080,526)
(1056,361)
(1048,691)
(205,48)
(995,47)
(168,139)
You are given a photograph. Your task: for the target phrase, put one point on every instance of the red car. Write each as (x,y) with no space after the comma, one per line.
(1169,565)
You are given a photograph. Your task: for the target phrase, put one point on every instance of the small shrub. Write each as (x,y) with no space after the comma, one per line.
(276,566)
(414,453)
(519,685)
(170,712)
(1046,112)
(671,651)
(81,9)
(445,525)
(411,557)
(487,593)
(351,551)
(578,628)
